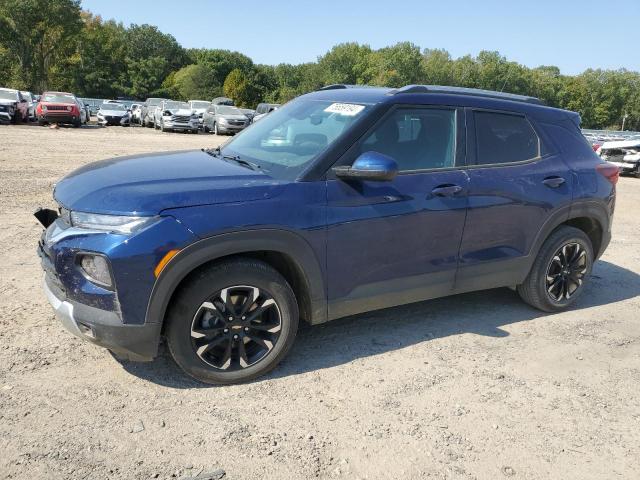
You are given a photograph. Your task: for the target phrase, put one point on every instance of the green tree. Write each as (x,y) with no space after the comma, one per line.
(38,33)
(398,65)
(196,81)
(348,63)
(239,89)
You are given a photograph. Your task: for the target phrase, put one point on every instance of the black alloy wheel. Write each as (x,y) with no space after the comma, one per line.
(566,272)
(236,328)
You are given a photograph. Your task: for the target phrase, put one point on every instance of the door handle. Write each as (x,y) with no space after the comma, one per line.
(553,182)
(446,190)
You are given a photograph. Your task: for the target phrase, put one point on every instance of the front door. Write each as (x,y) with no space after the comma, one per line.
(397,242)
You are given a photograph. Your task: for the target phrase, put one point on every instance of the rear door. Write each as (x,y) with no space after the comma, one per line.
(396,242)
(516,182)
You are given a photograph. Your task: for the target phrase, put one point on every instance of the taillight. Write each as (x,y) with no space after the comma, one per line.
(595,146)
(609,171)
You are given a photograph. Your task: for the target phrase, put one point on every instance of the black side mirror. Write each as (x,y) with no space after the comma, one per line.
(369,166)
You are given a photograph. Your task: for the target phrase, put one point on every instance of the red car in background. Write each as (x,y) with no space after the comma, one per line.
(60,107)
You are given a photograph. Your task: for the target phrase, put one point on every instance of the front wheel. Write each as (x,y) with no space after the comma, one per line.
(560,272)
(232,322)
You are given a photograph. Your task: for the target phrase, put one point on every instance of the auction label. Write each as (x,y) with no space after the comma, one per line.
(348,109)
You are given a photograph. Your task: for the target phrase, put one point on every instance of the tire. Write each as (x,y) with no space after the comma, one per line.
(190,310)
(77,123)
(549,269)
(205,129)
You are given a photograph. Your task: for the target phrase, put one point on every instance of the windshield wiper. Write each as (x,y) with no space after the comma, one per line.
(216,152)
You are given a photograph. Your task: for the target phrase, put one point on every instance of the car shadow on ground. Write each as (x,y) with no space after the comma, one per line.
(344,340)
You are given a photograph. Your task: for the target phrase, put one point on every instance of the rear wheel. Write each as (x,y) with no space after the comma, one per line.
(232,322)
(560,272)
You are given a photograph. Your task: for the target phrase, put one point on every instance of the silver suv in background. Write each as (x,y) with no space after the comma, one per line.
(172,115)
(148,109)
(224,119)
(263,109)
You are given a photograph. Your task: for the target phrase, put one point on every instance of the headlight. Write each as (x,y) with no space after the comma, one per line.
(223,120)
(109,223)
(96,268)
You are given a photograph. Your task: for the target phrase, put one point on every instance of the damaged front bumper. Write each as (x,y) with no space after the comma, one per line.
(103,328)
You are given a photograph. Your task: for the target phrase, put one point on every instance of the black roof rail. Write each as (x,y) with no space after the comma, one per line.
(340,86)
(475,92)
(335,86)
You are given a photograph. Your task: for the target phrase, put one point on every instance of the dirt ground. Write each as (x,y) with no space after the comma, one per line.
(477,386)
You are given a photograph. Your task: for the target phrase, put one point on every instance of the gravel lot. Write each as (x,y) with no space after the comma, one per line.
(473,386)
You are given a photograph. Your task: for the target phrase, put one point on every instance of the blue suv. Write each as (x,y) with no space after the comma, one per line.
(343,201)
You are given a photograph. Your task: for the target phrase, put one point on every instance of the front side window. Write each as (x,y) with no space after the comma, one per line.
(287,140)
(504,138)
(417,139)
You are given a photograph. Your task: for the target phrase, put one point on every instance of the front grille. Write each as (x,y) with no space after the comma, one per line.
(57,107)
(236,123)
(181,118)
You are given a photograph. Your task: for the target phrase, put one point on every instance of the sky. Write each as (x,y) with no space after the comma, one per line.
(571,34)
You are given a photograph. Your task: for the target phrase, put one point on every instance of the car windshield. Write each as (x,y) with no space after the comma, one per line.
(7,95)
(225,110)
(57,98)
(177,105)
(200,104)
(287,140)
(113,106)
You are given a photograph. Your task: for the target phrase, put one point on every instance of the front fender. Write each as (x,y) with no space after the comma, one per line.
(284,242)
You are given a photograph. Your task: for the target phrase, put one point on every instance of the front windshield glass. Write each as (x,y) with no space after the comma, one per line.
(177,105)
(224,110)
(7,95)
(57,98)
(113,106)
(200,104)
(284,142)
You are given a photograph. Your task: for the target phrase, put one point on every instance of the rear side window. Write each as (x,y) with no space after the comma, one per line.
(504,138)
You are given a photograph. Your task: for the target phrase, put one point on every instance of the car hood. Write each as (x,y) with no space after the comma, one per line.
(149,184)
(113,113)
(233,117)
(179,111)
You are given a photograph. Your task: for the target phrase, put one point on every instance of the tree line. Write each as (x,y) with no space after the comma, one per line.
(55,45)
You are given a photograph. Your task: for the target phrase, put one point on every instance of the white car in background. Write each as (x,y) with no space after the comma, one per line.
(199,107)
(136,113)
(625,154)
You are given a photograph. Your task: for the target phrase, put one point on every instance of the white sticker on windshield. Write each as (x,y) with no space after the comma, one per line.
(348,109)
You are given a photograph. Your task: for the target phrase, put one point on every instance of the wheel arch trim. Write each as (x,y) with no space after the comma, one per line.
(286,243)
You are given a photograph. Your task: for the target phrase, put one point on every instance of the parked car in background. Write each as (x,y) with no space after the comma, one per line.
(199,107)
(249,113)
(61,107)
(224,119)
(32,102)
(148,110)
(136,113)
(264,109)
(14,107)
(172,115)
(400,195)
(625,154)
(223,101)
(112,113)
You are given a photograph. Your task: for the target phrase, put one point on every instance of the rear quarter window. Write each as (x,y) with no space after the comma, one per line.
(504,138)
